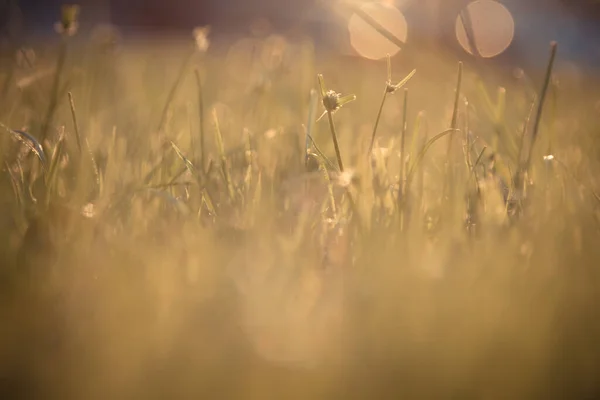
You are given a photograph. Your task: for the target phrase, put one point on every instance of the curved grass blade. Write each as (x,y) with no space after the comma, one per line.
(28,140)
(318,151)
(423,151)
(403,82)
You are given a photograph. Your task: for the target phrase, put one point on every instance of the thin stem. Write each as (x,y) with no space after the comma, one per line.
(473,171)
(224,165)
(75,125)
(201,117)
(516,178)
(419,158)
(385,92)
(457,95)
(312,111)
(173,91)
(54,94)
(449,182)
(538,116)
(421,177)
(401,181)
(335,141)
(402,145)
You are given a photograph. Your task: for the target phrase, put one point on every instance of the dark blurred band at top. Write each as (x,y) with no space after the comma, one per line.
(174,15)
(573,23)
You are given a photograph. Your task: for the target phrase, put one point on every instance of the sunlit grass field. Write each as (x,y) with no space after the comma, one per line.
(180,222)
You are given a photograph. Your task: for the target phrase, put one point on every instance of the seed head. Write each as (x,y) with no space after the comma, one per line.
(331,100)
(69,20)
(201,37)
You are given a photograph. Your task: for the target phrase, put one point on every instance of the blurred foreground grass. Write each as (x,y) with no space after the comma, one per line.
(166,234)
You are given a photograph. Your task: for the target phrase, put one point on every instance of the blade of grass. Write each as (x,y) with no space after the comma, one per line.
(188,164)
(415,134)
(401,200)
(538,116)
(201,118)
(224,165)
(516,178)
(375,24)
(401,181)
(310,125)
(327,178)
(465,18)
(15,186)
(75,125)
(55,91)
(449,183)
(171,96)
(421,155)
(473,172)
(197,174)
(52,176)
(385,93)
(28,140)
(372,142)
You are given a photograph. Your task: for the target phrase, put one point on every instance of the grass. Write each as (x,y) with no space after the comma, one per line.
(260,256)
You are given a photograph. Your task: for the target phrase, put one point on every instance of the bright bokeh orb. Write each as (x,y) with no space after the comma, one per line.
(365,39)
(493,28)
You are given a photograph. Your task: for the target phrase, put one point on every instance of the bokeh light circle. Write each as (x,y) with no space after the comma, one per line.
(493,28)
(365,39)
